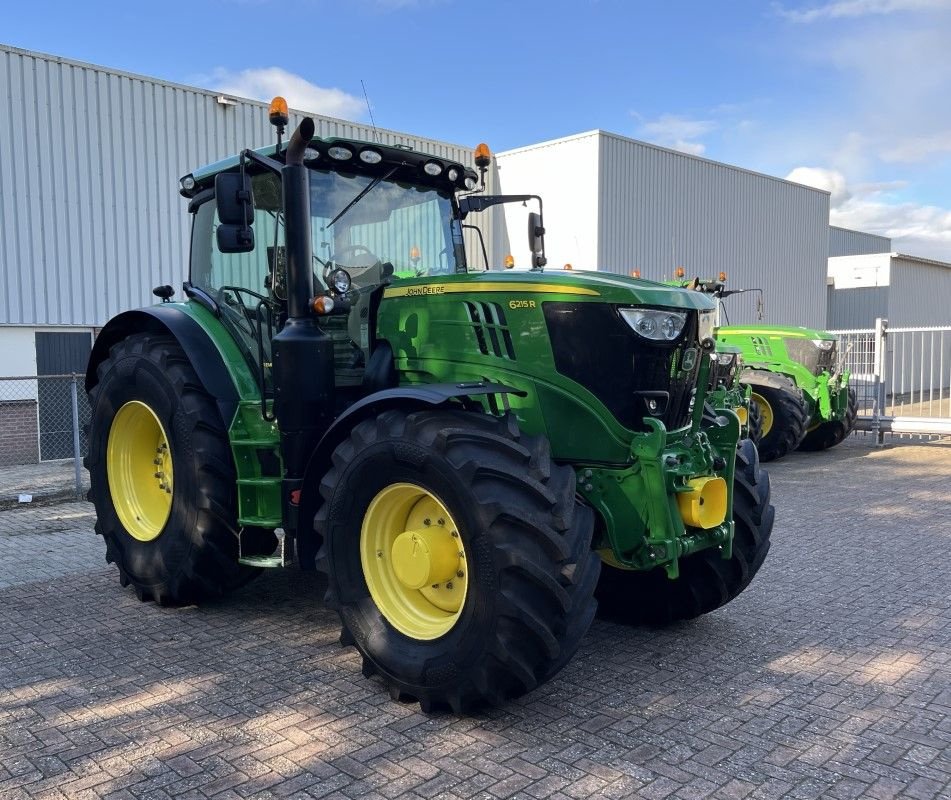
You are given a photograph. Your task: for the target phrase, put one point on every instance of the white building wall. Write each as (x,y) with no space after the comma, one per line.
(564,172)
(852,272)
(17,359)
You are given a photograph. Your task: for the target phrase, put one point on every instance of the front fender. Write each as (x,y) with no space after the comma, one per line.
(416,397)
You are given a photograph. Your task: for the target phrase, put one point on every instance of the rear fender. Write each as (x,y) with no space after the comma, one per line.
(169,319)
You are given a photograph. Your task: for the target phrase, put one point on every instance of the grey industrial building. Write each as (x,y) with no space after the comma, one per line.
(621,205)
(90,160)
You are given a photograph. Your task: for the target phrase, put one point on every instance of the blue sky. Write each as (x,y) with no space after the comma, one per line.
(848,95)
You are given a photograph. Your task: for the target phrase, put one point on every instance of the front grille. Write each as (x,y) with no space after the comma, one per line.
(827,359)
(804,352)
(593,346)
(722,374)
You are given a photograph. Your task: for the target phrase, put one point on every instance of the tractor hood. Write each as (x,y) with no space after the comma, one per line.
(598,286)
(780,331)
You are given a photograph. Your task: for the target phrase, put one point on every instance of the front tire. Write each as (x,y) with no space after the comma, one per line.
(706,580)
(483,616)
(161,474)
(782,411)
(829,434)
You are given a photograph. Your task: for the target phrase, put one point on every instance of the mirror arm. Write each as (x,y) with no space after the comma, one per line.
(264,161)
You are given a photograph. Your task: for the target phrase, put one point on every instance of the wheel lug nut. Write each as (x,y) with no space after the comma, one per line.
(440,522)
(449,585)
(455,534)
(460,574)
(427,521)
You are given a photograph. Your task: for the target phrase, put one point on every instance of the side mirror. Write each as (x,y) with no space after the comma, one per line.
(536,240)
(233,195)
(235,238)
(235,212)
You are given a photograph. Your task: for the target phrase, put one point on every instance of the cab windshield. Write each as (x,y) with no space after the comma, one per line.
(362,223)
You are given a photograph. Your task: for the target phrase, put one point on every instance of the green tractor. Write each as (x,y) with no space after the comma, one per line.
(457,452)
(800,397)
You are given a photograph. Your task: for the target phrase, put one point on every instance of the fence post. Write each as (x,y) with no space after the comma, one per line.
(881,330)
(77,457)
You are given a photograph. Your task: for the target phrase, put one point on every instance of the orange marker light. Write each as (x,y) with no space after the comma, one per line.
(483,156)
(568,266)
(414,253)
(679,272)
(635,273)
(509,261)
(322,305)
(277,112)
(722,277)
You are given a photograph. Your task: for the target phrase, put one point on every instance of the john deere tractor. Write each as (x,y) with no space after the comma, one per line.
(458,452)
(800,397)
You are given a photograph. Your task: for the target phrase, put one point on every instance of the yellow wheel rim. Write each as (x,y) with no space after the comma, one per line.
(414,561)
(765,412)
(139,468)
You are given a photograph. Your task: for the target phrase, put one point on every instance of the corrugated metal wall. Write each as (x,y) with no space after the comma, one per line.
(846,242)
(919,294)
(660,209)
(90,158)
(856,308)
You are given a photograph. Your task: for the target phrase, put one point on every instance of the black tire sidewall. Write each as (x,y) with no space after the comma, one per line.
(465,644)
(152,563)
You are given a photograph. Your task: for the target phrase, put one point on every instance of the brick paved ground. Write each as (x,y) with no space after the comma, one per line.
(830,677)
(49,480)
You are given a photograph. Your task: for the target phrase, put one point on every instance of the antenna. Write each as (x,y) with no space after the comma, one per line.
(376,134)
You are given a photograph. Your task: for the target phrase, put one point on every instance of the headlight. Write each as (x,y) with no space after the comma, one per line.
(661,326)
(339,281)
(725,359)
(824,344)
(708,322)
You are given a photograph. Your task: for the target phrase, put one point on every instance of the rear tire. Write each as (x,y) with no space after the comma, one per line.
(706,580)
(525,555)
(782,410)
(829,434)
(194,554)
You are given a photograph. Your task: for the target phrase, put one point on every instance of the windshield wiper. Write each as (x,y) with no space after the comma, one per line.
(363,193)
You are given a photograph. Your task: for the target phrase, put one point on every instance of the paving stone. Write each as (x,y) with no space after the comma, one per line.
(828,677)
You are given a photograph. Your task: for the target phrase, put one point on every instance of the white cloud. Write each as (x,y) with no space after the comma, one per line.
(830,180)
(922,230)
(679,133)
(919,148)
(860,8)
(302,95)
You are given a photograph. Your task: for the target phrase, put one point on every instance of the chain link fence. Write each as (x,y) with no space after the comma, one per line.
(43,424)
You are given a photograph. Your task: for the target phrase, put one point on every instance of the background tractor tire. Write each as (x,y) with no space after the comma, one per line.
(754,425)
(829,434)
(193,555)
(706,580)
(528,565)
(782,411)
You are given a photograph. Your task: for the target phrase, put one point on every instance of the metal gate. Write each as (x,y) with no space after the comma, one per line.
(902,378)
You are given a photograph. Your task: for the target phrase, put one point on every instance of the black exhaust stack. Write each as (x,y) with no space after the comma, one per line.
(303,356)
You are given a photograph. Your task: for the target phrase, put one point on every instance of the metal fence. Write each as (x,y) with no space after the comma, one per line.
(902,378)
(43,424)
